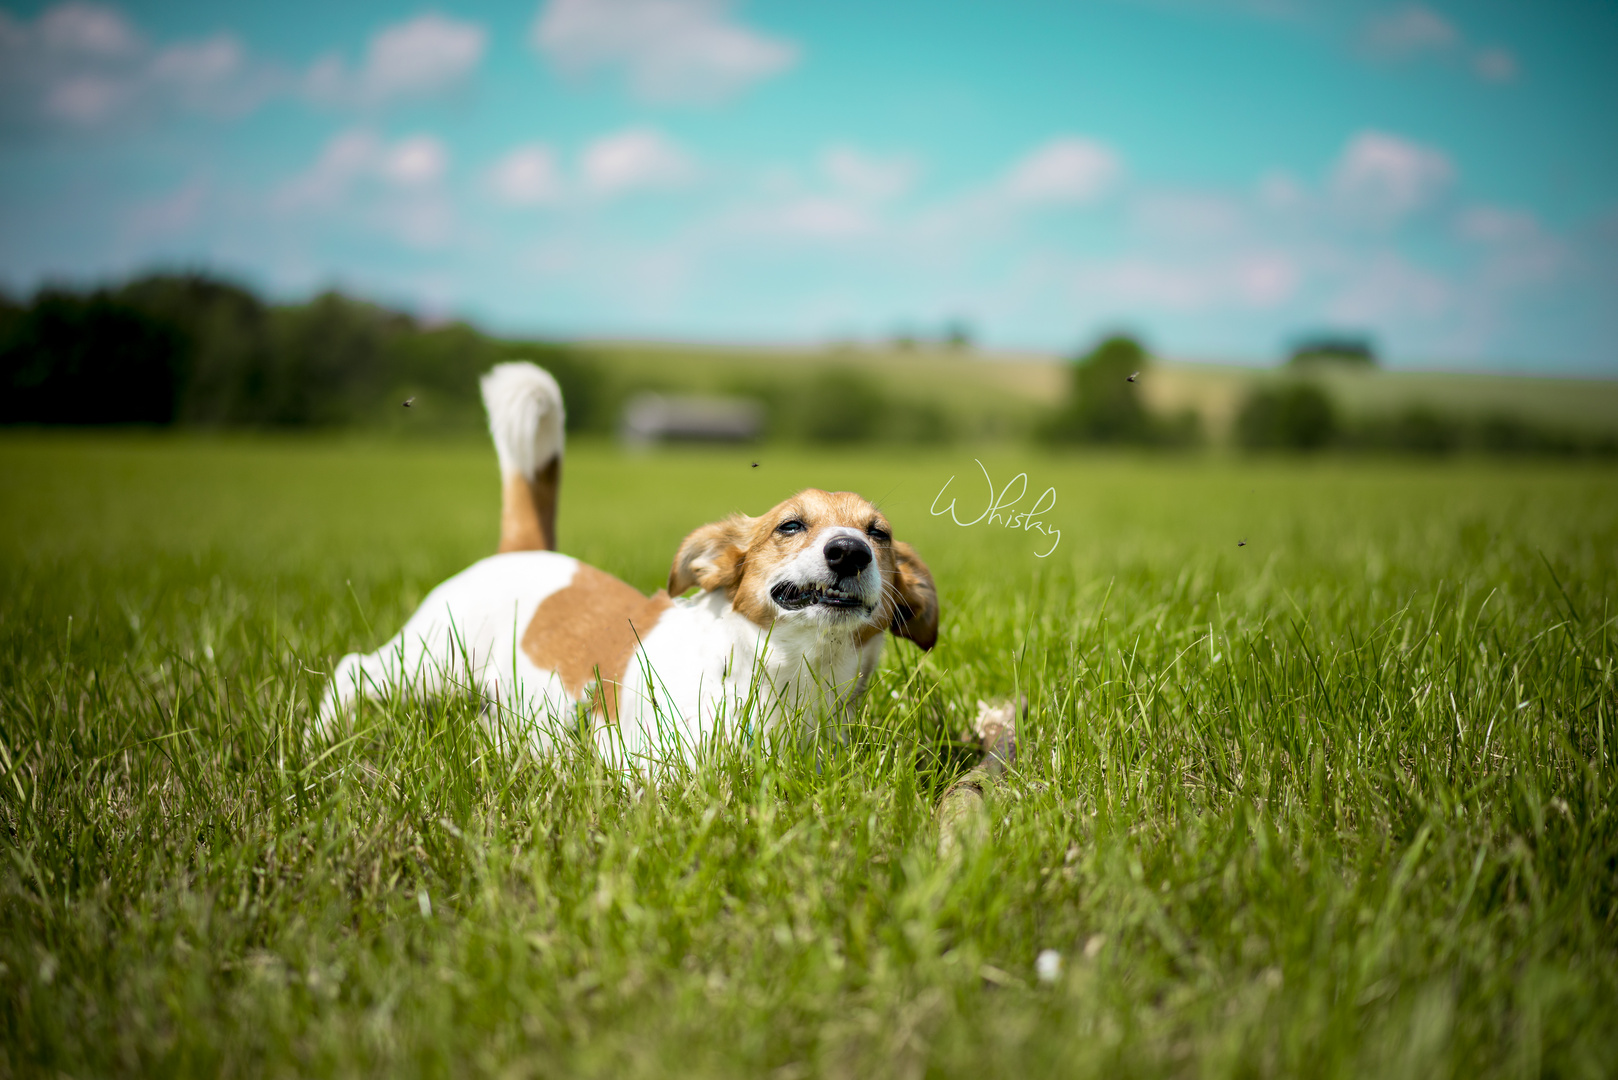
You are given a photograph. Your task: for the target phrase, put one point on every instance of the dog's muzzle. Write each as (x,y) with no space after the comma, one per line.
(845,557)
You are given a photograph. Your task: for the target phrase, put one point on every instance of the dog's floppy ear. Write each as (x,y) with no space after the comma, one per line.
(915,614)
(711,557)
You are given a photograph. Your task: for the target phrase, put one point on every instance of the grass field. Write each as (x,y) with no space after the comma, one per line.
(1337,801)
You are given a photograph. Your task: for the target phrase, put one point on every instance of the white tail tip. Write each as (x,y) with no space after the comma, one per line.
(525,416)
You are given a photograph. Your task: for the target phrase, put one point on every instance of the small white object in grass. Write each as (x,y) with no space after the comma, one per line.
(992,719)
(1048,965)
(424,902)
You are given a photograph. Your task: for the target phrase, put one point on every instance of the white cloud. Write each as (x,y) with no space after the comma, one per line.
(86,100)
(1067,169)
(86,29)
(414,162)
(1493,224)
(1070,170)
(1410,30)
(86,66)
(423,57)
(863,176)
(215,75)
(1267,279)
(819,217)
(1188,215)
(848,195)
(345,158)
(1414,31)
(359,156)
(200,64)
(1517,251)
(808,217)
(1524,265)
(425,221)
(1256,280)
(634,160)
(1280,190)
(1385,177)
(527,176)
(393,188)
(1390,289)
(1135,282)
(1495,65)
(668,50)
(168,215)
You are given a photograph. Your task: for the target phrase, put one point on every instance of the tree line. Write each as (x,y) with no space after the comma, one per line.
(1297,414)
(198,351)
(194,350)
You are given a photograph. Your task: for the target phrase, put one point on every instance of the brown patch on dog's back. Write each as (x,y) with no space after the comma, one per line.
(593,625)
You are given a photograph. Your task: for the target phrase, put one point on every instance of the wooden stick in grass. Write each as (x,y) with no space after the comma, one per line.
(962,812)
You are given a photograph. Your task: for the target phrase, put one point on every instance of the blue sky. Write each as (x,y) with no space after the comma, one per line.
(1216,175)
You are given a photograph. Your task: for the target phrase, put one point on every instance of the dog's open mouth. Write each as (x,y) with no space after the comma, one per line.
(797,597)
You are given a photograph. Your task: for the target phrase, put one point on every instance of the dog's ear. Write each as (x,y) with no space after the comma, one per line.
(711,557)
(915,614)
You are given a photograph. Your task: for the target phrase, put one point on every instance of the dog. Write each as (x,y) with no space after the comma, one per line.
(785,628)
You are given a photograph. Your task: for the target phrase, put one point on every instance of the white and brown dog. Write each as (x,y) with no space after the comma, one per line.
(786,626)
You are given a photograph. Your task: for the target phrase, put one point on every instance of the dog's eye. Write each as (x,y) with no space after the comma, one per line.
(879,534)
(787,528)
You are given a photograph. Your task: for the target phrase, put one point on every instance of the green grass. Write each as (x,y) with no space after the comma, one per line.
(1334,802)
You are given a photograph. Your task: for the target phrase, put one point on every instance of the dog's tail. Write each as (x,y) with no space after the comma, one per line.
(525,417)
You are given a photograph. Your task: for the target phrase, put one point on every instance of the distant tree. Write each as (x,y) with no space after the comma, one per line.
(1507,433)
(1414,429)
(226,352)
(958,334)
(1424,430)
(1347,350)
(842,404)
(95,359)
(330,360)
(10,312)
(1295,416)
(912,421)
(1104,404)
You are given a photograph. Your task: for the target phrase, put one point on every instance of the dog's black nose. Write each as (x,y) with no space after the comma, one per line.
(846,556)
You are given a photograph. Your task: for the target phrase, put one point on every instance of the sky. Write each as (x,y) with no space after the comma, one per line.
(1219,177)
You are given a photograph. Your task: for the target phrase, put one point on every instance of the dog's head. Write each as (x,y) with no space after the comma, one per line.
(820,558)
